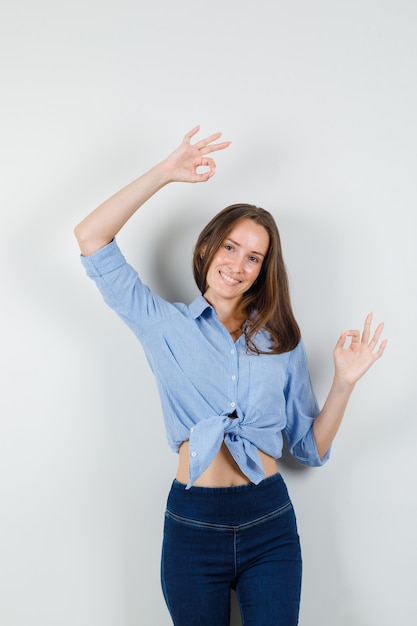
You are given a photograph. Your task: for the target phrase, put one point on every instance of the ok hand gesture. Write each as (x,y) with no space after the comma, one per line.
(182,165)
(353,361)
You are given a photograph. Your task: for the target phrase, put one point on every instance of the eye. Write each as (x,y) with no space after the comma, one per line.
(253,259)
(228,246)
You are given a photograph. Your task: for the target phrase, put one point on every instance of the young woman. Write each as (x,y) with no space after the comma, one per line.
(232,375)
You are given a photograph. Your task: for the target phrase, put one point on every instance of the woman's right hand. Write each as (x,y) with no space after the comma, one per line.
(103,224)
(182,164)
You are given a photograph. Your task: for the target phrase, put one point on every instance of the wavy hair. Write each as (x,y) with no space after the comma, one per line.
(267,304)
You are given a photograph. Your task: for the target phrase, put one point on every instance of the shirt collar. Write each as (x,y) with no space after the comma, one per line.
(198,306)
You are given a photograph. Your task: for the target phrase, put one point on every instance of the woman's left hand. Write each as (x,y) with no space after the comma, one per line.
(353,361)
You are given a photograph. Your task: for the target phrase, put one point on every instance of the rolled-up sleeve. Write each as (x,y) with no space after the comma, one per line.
(302,409)
(123,290)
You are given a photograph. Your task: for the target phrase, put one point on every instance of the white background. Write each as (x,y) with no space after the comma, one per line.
(320,100)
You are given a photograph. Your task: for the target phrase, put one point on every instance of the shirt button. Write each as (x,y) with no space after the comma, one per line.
(233,377)
(193,454)
(232,351)
(233,404)
(192,429)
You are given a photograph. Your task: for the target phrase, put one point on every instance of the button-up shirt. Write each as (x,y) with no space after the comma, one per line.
(212,389)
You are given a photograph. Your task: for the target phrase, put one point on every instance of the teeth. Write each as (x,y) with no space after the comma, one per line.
(228,279)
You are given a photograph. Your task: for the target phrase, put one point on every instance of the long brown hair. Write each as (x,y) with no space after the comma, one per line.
(267,303)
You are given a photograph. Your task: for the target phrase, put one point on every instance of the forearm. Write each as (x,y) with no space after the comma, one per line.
(328,421)
(103,224)
(351,363)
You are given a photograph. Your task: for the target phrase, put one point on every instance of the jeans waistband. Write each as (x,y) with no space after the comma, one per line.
(235,505)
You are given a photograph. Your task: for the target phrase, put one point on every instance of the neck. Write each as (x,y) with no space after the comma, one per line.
(233,324)
(229,314)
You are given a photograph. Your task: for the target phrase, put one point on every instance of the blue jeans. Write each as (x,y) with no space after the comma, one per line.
(244,538)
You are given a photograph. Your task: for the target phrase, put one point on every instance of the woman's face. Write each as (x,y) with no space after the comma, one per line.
(237,263)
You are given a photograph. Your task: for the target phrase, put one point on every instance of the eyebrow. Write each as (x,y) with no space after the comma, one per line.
(239,246)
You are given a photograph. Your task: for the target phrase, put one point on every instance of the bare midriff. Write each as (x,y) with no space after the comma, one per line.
(223,471)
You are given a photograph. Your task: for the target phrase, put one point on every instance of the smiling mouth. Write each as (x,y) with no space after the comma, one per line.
(228,279)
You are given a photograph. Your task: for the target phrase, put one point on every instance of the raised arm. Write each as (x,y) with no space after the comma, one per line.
(350,363)
(103,224)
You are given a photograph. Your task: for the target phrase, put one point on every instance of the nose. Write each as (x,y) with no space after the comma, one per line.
(237,263)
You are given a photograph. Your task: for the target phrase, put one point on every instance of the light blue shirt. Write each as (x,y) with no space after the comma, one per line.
(203,376)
